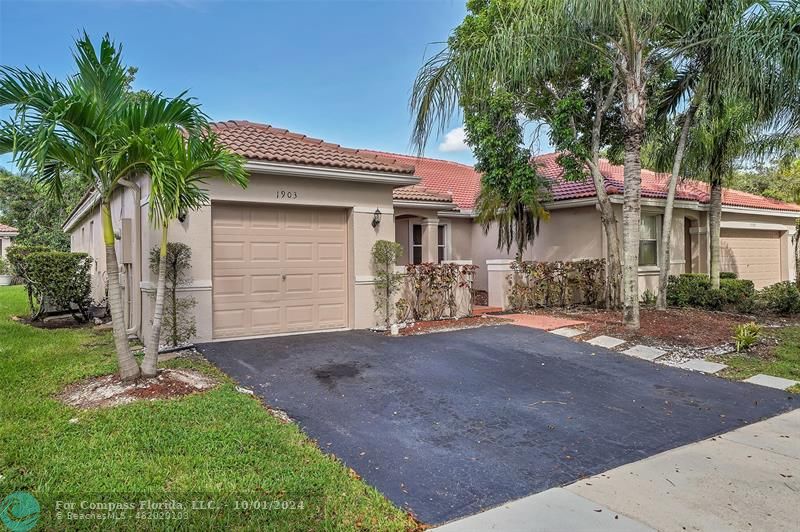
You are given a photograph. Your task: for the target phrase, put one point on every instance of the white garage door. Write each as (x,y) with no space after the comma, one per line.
(278,269)
(752,254)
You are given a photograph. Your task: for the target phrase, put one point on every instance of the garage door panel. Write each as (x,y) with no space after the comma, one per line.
(265,251)
(278,269)
(752,254)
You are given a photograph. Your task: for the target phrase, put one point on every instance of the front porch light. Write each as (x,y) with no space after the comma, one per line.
(376,218)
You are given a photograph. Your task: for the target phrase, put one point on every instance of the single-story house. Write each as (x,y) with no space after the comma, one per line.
(291,253)
(7,235)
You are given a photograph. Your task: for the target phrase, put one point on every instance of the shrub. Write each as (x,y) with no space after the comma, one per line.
(557,284)
(432,288)
(745,335)
(738,293)
(179,322)
(694,290)
(714,299)
(728,275)
(16,256)
(782,298)
(5,267)
(61,280)
(648,298)
(384,257)
(688,290)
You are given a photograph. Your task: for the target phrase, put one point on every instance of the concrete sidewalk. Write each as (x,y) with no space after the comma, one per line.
(746,479)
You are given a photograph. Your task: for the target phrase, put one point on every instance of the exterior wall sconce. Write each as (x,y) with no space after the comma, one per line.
(376,218)
(182,216)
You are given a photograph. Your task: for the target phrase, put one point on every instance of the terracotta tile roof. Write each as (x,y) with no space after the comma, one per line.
(8,229)
(654,185)
(267,143)
(420,193)
(460,181)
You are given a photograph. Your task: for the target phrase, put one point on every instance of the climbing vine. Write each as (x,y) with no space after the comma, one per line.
(557,284)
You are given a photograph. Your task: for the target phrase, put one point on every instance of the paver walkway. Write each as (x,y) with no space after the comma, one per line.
(745,479)
(541,321)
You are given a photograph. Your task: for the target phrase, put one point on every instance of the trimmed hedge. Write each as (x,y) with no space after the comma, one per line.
(694,290)
(61,280)
(781,298)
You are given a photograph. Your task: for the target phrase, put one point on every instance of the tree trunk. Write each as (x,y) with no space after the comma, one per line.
(634,107)
(715,217)
(609,222)
(607,217)
(128,368)
(666,229)
(150,362)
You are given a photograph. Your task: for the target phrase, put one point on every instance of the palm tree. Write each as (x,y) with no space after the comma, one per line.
(728,131)
(178,172)
(745,79)
(634,38)
(81,126)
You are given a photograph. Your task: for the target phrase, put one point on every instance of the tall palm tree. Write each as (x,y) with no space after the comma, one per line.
(744,78)
(179,170)
(634,38)
(728,131)
(81,126)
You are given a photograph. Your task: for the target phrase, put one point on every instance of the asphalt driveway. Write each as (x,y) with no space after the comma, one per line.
(447,424)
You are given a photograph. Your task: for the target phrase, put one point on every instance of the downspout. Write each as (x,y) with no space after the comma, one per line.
(134,286)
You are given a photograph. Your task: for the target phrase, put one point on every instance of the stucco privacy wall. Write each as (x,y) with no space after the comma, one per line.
(361,199)
(569,234)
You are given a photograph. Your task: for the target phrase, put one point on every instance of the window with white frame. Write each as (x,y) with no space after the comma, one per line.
(649,232)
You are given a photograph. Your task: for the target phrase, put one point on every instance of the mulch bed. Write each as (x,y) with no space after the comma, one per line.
(690,327)
(471,322)
(110,390)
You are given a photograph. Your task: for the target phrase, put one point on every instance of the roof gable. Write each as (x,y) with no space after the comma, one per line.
(457,181)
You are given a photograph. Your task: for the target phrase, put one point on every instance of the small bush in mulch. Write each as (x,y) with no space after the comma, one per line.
(471,322)
(110,390)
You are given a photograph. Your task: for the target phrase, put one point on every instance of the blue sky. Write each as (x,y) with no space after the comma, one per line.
(337,70)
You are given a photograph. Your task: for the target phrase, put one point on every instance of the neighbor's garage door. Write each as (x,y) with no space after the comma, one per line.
(278,269)
(752,254)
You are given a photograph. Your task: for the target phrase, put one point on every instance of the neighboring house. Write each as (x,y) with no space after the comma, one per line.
(7,235)
(291,253)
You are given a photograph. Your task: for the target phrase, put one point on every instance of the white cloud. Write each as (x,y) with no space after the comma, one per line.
(455,140)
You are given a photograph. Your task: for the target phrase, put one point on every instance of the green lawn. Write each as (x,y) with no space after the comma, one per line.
(221,446)
(784,361)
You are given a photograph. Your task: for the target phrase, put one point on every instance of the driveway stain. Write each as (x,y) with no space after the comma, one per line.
(330,374)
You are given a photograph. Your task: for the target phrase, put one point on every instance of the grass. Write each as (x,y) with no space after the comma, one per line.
(219,446)
(782,361)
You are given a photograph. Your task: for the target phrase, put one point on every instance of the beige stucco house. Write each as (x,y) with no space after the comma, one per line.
(291,253)
(7,235)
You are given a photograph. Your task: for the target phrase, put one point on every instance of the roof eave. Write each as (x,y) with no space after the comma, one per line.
(324,172)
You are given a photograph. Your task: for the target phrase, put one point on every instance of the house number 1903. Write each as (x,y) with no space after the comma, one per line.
(286,194)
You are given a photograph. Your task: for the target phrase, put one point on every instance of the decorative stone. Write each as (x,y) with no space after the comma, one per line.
(771,382)
(645,352)
(608,342)
(569,332)
(703,366)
